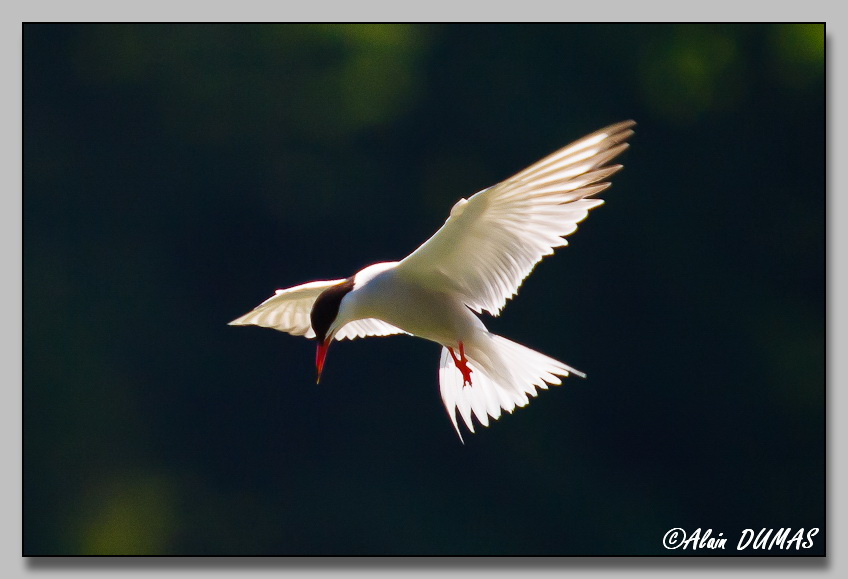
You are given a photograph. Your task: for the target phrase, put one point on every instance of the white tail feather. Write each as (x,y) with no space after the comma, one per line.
(503,374)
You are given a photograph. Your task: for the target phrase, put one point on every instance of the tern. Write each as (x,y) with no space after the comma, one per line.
(473,264)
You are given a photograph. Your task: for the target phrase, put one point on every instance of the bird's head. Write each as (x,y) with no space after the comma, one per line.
(324,318)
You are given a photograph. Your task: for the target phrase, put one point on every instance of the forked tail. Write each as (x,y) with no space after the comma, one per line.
(503,375)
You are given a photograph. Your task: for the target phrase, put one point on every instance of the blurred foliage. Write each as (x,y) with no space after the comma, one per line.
(175,175)
(130,515)
(319,82)
(692,71)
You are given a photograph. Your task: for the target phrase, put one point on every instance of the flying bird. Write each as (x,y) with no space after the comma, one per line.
(473,264)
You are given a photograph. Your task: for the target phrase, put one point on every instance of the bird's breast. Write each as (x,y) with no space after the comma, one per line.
(431,315)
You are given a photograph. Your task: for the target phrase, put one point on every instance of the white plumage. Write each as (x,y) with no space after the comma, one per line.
(288,311)
(476,261)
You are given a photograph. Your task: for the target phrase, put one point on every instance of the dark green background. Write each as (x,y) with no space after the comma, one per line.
(176,175)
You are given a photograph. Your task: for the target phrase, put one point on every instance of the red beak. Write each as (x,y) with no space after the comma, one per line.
(320,355)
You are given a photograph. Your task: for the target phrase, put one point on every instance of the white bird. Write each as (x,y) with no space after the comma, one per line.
(474,263)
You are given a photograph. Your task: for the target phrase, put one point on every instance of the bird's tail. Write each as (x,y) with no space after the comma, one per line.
(503,375)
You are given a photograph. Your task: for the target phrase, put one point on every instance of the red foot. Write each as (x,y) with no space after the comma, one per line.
(462,364)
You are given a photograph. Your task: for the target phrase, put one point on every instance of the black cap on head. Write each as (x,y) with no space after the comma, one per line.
(326,307)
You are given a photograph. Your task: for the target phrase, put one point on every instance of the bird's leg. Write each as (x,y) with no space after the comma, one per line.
(462,364)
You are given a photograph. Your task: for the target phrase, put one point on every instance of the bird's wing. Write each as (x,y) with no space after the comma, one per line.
(288,311)
(491,241)
(367,327)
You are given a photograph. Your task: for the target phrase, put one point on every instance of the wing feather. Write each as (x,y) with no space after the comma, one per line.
(492,241)
(288,311)
(367,327)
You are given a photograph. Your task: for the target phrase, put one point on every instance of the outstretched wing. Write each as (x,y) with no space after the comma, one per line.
(367,327)
(491,241)
(288,311)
